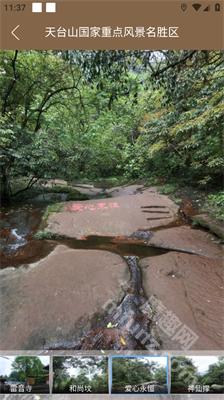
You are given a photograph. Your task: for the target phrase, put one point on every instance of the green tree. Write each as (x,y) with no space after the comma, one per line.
(26,366)
(181,135)
(134,371)
(88,371)
(92,114)
(215,374)
(160,375)
(33,84)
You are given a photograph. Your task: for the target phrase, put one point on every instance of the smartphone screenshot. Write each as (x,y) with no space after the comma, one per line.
(111,199)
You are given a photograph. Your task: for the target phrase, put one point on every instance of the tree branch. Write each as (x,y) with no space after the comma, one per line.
(174,64)
(47,97)
(31,182)
(11,85)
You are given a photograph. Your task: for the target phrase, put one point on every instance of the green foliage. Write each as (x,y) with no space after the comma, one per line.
(110,182)
(215,205)
(90,371)
(52,208)
(215,374)
(72,193)
(46,235)
(160,375)
(26,366)
(182,369)
(96,114)
(133,371)
(181,133)
(185,373)
(168,188)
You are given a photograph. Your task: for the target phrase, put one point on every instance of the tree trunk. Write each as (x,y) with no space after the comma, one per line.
(4,188)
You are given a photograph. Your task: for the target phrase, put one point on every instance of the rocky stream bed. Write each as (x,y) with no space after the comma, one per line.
(99,283)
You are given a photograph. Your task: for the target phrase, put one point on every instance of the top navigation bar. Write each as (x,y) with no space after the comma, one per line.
(117,24)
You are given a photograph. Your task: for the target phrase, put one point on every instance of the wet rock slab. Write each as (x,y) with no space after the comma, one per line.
(209,223)
(47,301)
(192,288)
(185,238)
(89,190)
(119,216)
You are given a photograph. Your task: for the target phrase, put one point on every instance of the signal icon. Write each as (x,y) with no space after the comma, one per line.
(196,6)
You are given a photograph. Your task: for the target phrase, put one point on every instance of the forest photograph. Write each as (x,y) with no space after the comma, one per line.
(139,374)
(111,172)
(197,374)
(90,115)
(80,374)
(24,374)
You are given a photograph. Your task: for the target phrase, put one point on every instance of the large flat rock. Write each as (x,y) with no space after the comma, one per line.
(88,190)
(208,222)
(120,216)
(185,238)
(47,301)
(192,288)
(127,190)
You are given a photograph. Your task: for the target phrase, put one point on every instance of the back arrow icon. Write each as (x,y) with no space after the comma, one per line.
(13,32)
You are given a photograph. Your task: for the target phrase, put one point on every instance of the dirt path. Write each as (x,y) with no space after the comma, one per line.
(77,298)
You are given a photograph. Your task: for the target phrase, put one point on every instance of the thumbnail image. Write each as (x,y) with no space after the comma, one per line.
(139,375)
(111,165)
(197,374)
(80,374)
(24,374)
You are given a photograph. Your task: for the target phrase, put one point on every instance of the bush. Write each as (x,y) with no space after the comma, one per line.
(215,205)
